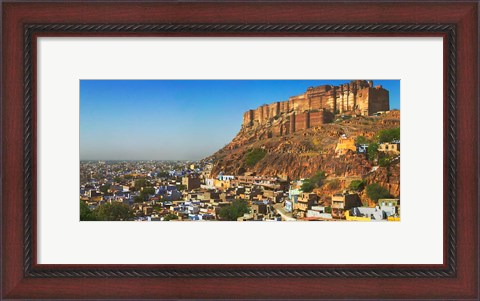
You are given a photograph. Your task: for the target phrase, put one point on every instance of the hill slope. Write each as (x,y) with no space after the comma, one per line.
(302,154)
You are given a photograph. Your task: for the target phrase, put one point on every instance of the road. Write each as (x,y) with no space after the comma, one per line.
(287,216)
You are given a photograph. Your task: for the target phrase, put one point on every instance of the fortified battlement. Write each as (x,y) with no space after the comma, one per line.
(319,104)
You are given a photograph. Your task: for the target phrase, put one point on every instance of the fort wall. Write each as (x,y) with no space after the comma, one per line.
(318,105)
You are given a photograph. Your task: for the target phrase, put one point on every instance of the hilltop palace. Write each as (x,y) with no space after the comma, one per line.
(318,105)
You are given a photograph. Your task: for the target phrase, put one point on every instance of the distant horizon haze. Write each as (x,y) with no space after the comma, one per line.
(177,120)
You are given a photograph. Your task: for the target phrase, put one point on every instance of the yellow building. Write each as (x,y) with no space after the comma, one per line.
(344,144)
(221,184)
(343,202)
(305,201)
(97,198)
(390,148)
(356,218)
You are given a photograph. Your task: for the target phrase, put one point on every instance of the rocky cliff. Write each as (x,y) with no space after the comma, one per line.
(299,137)
(303,153)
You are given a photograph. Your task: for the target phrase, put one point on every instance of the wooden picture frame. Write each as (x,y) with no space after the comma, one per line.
(23,278)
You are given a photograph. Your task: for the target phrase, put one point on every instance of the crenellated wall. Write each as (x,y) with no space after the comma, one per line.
(318,105)
(298,122)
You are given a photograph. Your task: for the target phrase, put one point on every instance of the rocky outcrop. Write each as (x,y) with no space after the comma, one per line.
(300,136)
(388,177)
(303,153)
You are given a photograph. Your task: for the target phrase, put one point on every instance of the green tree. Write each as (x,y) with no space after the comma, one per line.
(104,188)
(169,216)
(254,155)
(318,178)
(141,183)
(372,151)
(307,186)
(357,185)
(315,181)
(389,135)
(147,191)
(375,192)
(85,213)
(138,199)
(162,174)
(113,212)
(235,210)
(384,161)
(362,140)
(157,207)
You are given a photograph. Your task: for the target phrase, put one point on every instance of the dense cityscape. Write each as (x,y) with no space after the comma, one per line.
(186,191)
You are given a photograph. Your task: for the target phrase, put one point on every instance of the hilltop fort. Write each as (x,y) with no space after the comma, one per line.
(317,106)
(300,136)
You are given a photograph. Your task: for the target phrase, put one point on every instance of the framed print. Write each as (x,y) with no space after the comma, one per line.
(179,124)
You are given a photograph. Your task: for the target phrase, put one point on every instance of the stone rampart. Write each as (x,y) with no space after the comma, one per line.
(317,105)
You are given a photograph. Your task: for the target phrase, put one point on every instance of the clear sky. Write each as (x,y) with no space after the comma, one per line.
(177,119)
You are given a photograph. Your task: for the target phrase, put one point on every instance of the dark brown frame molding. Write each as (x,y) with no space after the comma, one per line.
(34,30)
(457,277)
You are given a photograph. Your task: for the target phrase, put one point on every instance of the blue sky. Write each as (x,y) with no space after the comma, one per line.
(177,119)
